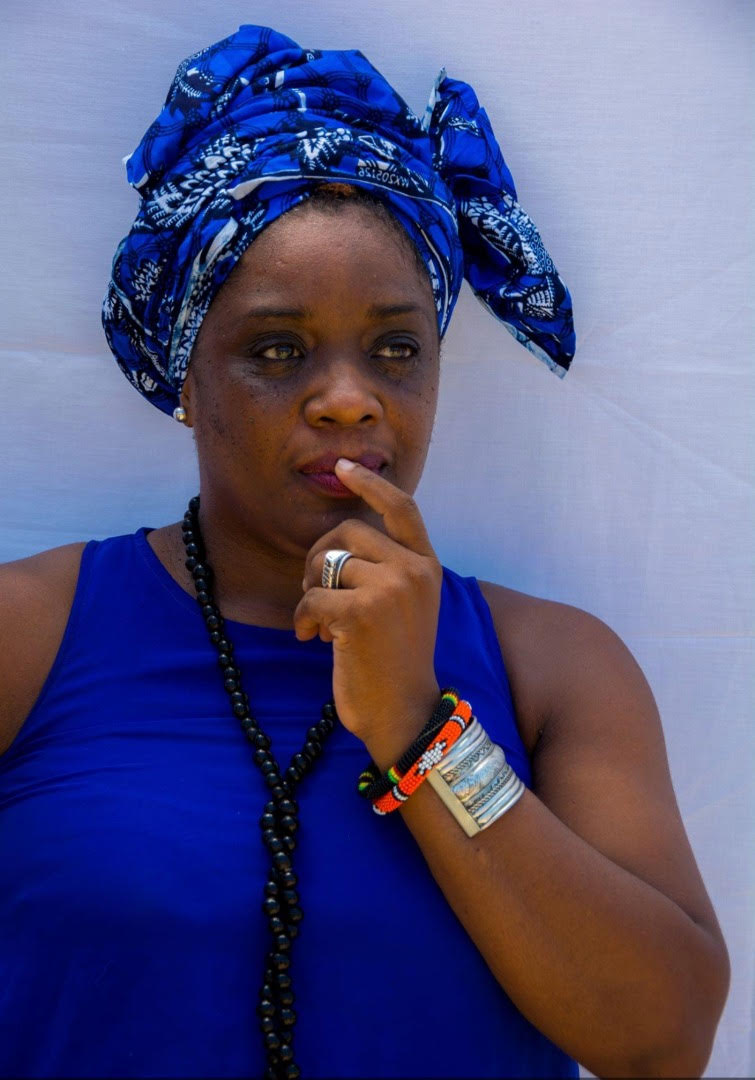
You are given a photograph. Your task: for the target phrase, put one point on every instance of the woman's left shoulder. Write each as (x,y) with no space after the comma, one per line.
(562,662)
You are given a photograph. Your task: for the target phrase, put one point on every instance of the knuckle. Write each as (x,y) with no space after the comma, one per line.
(433,570)
(302,608)
(405,503)
(351,530)
(362,610)
(336,539)
(424,573)
(411,575)
(394,587)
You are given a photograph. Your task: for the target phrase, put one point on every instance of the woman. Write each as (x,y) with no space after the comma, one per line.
(284,292)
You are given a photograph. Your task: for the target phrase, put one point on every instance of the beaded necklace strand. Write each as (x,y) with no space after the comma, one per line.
(279,820)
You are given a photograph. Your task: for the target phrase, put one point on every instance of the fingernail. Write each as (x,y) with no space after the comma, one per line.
(346,464)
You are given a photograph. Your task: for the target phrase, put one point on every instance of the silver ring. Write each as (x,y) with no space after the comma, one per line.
(332,567)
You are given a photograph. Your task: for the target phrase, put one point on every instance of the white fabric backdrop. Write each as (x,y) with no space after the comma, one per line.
(626,489)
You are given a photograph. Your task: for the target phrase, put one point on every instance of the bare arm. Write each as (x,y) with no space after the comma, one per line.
(35,600)
(585,898)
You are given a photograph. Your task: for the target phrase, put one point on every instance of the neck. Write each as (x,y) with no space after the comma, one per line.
(251,583)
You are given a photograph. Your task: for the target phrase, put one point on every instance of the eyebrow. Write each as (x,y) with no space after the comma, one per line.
(376,311)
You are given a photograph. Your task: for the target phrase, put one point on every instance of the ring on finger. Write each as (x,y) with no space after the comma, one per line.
(335,559)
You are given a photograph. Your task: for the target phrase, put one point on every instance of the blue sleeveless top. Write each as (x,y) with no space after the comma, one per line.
(131,866)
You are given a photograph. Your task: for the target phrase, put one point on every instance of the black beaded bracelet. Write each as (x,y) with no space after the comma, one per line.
(372,784)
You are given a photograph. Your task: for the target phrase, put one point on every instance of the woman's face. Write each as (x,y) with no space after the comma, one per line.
(300,358)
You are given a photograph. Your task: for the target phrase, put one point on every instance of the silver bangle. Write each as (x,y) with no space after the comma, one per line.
(475,745)
(475,781)
(456,806)
(502,804)
(503,799)
(468,744)
(498,784)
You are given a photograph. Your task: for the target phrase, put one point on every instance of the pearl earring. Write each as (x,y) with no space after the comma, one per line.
(179,413)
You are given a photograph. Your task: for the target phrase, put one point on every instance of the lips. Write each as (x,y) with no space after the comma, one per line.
(321,474)
(327,463)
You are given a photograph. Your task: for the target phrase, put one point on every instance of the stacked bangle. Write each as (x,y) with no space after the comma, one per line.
(467,770)
(475,781)
(371,785)
(390,791)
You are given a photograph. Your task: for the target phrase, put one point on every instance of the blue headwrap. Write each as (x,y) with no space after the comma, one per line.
(250,126)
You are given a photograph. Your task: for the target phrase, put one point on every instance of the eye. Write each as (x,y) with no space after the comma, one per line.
(409,350)
(281,350)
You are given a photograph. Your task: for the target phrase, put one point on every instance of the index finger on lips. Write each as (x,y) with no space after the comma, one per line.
(400,513)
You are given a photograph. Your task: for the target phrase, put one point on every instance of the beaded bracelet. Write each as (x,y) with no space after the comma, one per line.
(372,784)
(408,782)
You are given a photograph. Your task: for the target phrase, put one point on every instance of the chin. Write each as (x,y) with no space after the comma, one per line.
(329,519)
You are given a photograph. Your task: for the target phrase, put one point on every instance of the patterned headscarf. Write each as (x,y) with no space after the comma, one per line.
(250,126)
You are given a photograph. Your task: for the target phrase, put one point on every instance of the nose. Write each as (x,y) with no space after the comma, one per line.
(343,393)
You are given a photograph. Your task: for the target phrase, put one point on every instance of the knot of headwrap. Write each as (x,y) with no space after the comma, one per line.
(250,126)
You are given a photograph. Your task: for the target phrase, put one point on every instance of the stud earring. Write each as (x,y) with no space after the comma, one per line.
(179,413)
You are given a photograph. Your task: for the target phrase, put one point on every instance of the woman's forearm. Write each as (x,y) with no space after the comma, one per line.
(609,968)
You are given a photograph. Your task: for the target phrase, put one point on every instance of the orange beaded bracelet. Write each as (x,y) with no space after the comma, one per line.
(407,784)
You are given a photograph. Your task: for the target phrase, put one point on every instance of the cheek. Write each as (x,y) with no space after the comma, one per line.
(216,423)
(427,402)
(245,428)
(416,426)
(212,418)
(430,398)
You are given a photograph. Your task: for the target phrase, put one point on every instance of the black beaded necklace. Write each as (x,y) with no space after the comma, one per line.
(279,821)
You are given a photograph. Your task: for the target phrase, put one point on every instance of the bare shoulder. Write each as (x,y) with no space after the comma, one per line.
(36,594)
(556,652)
(574,681)
(566,665)
(538,638)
